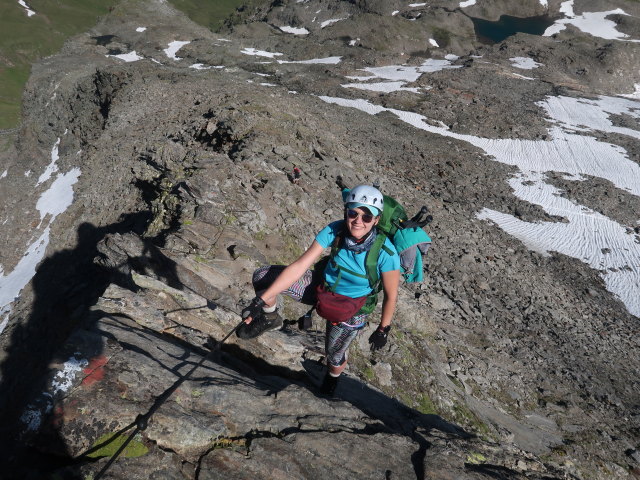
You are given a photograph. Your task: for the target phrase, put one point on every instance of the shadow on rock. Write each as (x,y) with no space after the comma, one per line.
(65,286)
(398,417)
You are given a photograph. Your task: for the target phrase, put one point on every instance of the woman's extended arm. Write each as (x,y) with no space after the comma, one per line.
(390,283)
(292,273)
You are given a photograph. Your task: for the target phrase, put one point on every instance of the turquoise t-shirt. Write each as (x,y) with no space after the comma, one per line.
(352,285)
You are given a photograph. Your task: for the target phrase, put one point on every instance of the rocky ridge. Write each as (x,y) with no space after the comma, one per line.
(505,364)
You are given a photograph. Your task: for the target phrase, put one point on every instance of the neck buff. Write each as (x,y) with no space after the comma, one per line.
(364,245)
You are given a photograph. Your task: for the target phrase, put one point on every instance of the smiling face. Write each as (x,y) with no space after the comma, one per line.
(358,228)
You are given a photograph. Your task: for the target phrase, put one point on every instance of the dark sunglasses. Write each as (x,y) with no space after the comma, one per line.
(366,217)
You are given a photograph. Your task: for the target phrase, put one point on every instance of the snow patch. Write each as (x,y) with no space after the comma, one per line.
(30,12)
(398,75)
(413,5)
(326,23)
(59,196)
(201,66)
(524,63)
(52,167)
(141,29)
(260,53)
(593,23)
(55,200)
(582,114)
(4,174)
(173,48)
(567,8)
(468,3)
(386,87)
(433,42)
(432,65)
(12,284)
(294,30)
(585,236)
(127,57)
(635,95)
(406,73)
(395,12)
(320,61)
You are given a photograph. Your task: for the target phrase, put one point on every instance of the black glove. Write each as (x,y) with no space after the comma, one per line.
(378,339)
(254,309)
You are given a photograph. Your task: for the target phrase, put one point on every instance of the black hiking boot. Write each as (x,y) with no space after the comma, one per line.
(259,325)
(329,385)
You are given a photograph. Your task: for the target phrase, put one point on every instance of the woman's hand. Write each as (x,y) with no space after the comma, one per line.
(390,284)
(378,338)
(253,310)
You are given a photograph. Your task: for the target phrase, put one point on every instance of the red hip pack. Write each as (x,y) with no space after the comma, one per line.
(337,308)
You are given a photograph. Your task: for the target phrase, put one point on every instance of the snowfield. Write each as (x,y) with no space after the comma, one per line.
(593,23)
(590,237)
(51,203)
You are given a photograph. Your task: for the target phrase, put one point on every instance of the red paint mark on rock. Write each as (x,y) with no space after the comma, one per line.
(57,419)
(95,370)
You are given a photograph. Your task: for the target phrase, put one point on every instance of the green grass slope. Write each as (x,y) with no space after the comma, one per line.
(24,39)
(208,13)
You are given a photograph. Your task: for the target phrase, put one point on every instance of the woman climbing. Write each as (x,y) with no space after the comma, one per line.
(340,289)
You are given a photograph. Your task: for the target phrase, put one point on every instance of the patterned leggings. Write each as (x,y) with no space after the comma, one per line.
(338,337)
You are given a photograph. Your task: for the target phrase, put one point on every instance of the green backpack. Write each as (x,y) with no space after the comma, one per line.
(408,238)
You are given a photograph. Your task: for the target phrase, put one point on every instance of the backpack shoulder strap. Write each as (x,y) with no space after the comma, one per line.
(371,261)
(335,247)
(389,252)
(337,242)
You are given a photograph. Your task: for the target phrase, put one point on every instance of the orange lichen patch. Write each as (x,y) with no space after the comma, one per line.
(95,370)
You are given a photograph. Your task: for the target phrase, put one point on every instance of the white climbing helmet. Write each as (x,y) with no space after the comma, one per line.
(366,196)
